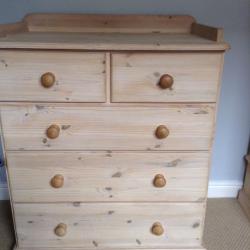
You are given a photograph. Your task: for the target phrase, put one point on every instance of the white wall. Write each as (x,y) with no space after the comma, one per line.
(233,127)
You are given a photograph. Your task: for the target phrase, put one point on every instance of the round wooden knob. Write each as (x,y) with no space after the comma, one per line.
(53,131)
(57,181)
(159,181)
(157,229)
(61,229)
(161,132)
(166,81)
(48,79)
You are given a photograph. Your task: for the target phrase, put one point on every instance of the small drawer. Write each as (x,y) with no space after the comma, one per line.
(109,225)
(107,176)
(72,127)
(52,76)
(165,77)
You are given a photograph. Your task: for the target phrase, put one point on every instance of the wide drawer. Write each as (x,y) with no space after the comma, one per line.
(52,76)
(175,127)
(112,176)
(165,77)
(111,225)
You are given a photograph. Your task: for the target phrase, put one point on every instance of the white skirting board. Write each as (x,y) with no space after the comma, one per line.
(224,189)
(217,189)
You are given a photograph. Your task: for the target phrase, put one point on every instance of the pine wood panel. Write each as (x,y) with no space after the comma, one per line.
(135,77)
(69,248)
(211,33)
(80,76)
(110,42)
(111,32)
(107,176)
(108,23)
(6,29)
(108,153)
(112,225)
(106,128)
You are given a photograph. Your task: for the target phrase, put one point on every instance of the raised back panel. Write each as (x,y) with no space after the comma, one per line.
(109,23)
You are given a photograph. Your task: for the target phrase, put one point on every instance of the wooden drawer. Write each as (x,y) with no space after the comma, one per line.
(28,127)
(136,77)
(79,77)
(109,225)
(112,176)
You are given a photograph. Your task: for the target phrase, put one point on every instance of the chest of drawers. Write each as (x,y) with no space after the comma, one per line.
(107,124)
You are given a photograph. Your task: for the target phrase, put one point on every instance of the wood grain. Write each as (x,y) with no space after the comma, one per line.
(135,77)
(107,128)
(74,248)
(107,176)
(110,32)
(211,33)
(97,176)
(12,28)
(109,23)
(80,77)
(111,225)
(110,42)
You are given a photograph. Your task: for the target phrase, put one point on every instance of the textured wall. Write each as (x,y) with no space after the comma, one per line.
(233,127)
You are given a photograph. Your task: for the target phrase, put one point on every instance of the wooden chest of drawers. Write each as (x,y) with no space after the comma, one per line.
(107,125)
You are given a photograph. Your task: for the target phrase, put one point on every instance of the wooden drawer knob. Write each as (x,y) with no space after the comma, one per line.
(166,81)
(157,229)
(53,131)
(159,181)
(57,181)
(61,229)
(48,79)
(161,132)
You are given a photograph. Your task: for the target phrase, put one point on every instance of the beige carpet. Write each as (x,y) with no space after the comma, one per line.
(226,228)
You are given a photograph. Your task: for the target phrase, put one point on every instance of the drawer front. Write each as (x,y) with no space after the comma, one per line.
(120,225)
(73,76)
(112,176)
(165,77)
(176,127)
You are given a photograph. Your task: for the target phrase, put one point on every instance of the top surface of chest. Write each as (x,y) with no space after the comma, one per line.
(111,32)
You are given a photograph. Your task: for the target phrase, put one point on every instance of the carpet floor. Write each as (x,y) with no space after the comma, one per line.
(226,226)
